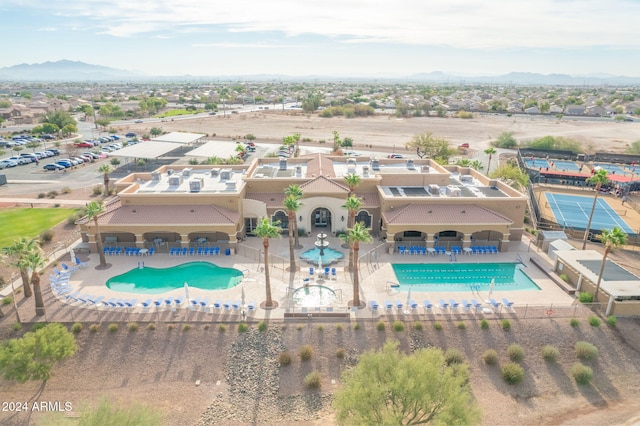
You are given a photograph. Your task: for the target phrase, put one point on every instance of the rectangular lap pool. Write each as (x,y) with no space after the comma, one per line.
(462,276)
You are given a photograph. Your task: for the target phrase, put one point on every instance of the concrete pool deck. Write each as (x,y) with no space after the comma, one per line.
(376,275)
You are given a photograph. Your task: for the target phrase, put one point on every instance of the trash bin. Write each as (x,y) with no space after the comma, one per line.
(227,252)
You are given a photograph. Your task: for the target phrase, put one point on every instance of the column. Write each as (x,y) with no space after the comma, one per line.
(139,240)
(184,240)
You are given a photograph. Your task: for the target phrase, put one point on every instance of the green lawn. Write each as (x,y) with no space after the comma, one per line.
(15,223)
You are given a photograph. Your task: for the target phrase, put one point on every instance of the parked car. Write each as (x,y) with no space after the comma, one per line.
(20,160)
(138,121)
(107,149)
(92,155)
(79,160)
(9,163)
(54,150)
(64,163)
(48,137)
(53,167)
(84,144)
(395,156)
(130,135)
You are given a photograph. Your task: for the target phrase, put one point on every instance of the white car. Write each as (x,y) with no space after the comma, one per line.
(351,153)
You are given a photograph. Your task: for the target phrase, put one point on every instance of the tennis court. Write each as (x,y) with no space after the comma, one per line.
(536,163)
(574,210)
(568,166)
(612,168)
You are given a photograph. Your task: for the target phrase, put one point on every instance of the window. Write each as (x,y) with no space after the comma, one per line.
(281,217)
(364,216)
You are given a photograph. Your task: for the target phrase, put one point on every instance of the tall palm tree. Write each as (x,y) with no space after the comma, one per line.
(105,169)
(352,180)
(612,240)
(35,261)
(292,204)
(599,178)
(352,205)
(354,236)
(489,151)
(94,209)
(17,251)
(267,230)
(295,190)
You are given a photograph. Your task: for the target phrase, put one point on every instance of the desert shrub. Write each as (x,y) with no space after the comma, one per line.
(612,320)
(133,326)
(564,277)
(52,194)
(512,373)
(93,328)
(506,324)
(339,327)
(550,353)
(356,326)
(453,356)
(306,352)
(7,300)
(594,321)
(461,326)
(71,219)
(97,190)
(186,327)
(16,326)
(262,326)
(42,195)
(484,324)
(340,353)
(585,297)
(206,327)
(151,326)
(299,327)
(515,352)
(171,327)
(581,373)
(65,190)
(313,380)
(222,328)
(285,358)
(37,326)
(490,357)
(417,325)
(586,350)
(380,326)
(76,327)
(320,328)
(574,322)
(398,326)
(113,327)
(437,325)
(243,327)
(46,236)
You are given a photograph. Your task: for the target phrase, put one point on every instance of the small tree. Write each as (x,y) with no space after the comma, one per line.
(105,169)
(611,240)
(354,236)
(17,252)
(94,210)
(267,230)
(489,151)
(35,261)
(389,387)
(32,356)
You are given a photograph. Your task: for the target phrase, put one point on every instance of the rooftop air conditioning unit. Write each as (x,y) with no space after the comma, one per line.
(186,172)
(365,171)
(175,180)
(231,186)
(283,164)
(466,178)
(424,169)
(215,171)
(410,164)
(434,189)
(196,184)
(225,174)
(453,191)
(155,176)
(375,164)
(298,171)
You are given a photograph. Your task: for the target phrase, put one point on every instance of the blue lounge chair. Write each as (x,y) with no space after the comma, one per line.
(412,304)
(158,302)
(204,303)
(217,304)
(374,305)
(399,305)
(168,301)
(195,301)
(494,303)
(334,274)
(443,304)
(401,249)
(146,303)
(476,304)
(227,305)
(151,251)
(95,300)
(427,305)
(327,271)
(506,302)
(252,306)
(192,251)
(130,303)
(453,303)
(388,305)
(236,305)
(177,301)
(466,304)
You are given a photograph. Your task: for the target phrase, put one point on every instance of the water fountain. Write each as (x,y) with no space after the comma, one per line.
(322,255)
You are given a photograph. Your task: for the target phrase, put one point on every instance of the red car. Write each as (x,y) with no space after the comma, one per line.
(83,145)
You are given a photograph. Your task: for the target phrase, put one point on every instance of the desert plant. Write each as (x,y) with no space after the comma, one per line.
(506,324)
(512,373)
(586,350)
(612,320)
(243,327)
(484,324)
(37,326)
(262,326)
(133,326)
(564,277)
(398,326)
(46,236)
(299,327)
(113,327)
(417,325)
(356,326)
(171,327)
(490,357)
(16,326)
(76,327)
(320,328)
(574,322)
(151,326)
(437,325)
(581,373)
(306,353)
(313,380)
(550,353)
(594,321)
(65,190)
(585,297)
(285,358)
(453,356)
(338,327)
(340,353)
(461,325)
(7,300)
(93,328)
(380,326)
(97,190)
(186,327)
(206,327)
(222,328)
(515,352)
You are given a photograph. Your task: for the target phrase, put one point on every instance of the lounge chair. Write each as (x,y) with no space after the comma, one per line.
(217,304)
(312,271)
(466,304)
(334,274)
(388,305)
(168,301)
(252,306)
(399,305)
(203,303)
(327,272)
(158,302)
(130,303)
(192,251)
(506,302)
(151,251)
(95,300)
(374,305)
(236,305)
(195,301)
(146,305)
(453,303)
(476,304)
(427,305)
(443,304)
(413,305)
(494,303)
(177,301)
(227,305)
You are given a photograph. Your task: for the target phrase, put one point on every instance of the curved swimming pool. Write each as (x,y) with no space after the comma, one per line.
(202,275)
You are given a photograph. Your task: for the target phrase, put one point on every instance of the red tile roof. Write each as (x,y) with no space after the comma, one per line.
(460,214)
(271,199)
(322,185)
(167,215)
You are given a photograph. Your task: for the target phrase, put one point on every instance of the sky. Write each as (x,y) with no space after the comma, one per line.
(342,38)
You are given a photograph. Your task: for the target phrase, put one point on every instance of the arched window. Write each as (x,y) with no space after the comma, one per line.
(364,216)
(282,217)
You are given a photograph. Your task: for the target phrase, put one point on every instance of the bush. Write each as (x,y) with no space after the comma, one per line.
(171,327)
(581,373)
(76,327)
(262,326)
(133,326)
(306,353)
(320,328)
(222,328)
(97,190)
(42,195)
(506,324)
(550,353)
(338,327)
(564,277)
(285,358)
(461,326)
(52,194)
(512,373)
(586,350)
(611,320)
(151,326)
(574,322)
(313,380)
(16,326)
(490,357)
(356,326)
(380,326)
(37,326)
(113,327)
(65,190)
(340,353)
(453,356)
(243,327)
(437,325)
(585,297)
(484,324)
(186,327)
(46,236)
(398,326)
(594,321)
(515,352)
(93,328)
(7,300)
(417,325)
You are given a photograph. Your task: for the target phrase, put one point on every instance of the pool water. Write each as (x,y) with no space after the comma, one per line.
(462,276)
(328,257)
(202,275)
(314,295)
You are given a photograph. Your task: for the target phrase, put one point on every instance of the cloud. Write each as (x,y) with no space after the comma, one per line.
(47,29)
(246,45)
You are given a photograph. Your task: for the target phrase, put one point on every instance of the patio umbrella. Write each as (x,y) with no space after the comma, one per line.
(493,283)
(408,296)
(72,254)
(186,292)
(243,297)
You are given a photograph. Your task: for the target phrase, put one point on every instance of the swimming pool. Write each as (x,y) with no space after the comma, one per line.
(507,276)
(203,275)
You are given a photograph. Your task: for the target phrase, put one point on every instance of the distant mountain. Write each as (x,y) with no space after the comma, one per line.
(65,70)
(529,78)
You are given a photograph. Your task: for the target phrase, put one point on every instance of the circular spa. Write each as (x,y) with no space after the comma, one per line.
(314,296)
(202,275)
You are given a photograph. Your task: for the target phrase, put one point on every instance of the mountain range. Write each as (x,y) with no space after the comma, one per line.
(75,71)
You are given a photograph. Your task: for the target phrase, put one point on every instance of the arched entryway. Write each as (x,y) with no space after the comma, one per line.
(321,218)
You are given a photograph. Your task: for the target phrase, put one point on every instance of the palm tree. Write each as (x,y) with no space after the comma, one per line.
(295,191)
(352,205)
(599,178)
(352,180)
(95,209)
(35,262)
(105,169)
(292,204)
(612,240)
(354,236)
(17,252)
(489,151)
(267,230)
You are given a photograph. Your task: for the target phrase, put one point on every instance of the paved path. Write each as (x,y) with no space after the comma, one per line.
(60,201)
